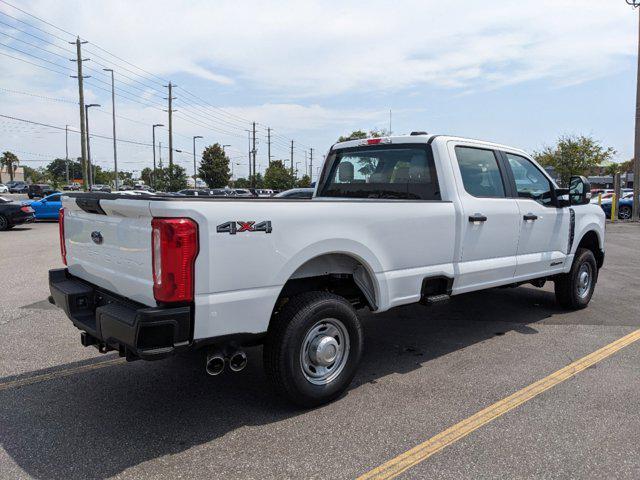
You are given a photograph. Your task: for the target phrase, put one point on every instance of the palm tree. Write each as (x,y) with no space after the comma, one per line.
(9,160)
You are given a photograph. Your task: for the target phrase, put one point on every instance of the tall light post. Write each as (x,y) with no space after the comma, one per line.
(90,167)
(223,147)
(153,134)
(635,215)
(113,115)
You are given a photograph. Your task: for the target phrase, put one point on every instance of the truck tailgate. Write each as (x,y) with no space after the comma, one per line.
(110,246)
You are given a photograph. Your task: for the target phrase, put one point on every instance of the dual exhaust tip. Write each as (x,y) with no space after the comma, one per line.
(216,361)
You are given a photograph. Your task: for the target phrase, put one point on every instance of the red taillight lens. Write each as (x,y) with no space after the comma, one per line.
(27,209)
(174,250)
(374,141)
(63,247)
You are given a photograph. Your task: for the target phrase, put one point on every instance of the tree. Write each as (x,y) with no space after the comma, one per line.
(573,155)
(278,177)
(171,178)
(242,183)
(214,167)
(57,170)
(259,180)
(304,182)
(360,134)
(146,175)
(10,161)
(36,175)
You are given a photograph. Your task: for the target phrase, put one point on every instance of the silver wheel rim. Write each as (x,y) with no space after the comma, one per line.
(584,280)
(625,213)
(325,351)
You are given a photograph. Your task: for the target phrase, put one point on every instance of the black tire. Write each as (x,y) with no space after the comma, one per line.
(283,348)
(4,223)
(625,212)
(570,291)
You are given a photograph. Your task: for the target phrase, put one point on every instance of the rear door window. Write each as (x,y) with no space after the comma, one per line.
(480,172)
(404,172)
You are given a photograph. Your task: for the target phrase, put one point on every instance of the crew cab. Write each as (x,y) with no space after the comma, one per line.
(393,221)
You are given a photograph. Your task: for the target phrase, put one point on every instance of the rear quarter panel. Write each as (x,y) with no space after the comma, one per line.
(239,277)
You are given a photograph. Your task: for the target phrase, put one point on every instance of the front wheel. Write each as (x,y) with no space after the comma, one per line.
(4,223)
(574,289)
(313,348)
(625,212)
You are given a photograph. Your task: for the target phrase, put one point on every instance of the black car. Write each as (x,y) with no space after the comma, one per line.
(40,190)
(12,214)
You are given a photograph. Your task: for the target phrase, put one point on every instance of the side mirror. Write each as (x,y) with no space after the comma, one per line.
(345,172)
(579,191)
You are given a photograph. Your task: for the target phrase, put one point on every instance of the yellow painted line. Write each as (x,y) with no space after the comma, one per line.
(60,373)
(420,453)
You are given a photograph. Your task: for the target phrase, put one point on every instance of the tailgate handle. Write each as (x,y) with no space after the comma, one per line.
(90,205)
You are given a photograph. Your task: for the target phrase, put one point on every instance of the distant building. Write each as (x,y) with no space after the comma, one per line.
(5,177)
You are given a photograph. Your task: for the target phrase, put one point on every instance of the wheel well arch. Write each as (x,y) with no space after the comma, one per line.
(591,241)
(336,272)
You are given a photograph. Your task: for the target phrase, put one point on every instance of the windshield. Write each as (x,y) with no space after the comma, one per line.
(390,171)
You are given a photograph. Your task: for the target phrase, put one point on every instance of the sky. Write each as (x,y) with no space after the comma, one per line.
(518,73)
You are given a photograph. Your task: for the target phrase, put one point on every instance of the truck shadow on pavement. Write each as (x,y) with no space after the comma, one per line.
(98,424)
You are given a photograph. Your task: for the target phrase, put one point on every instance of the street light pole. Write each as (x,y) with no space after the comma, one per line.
(89,166)
(113,115)
(635,215)
(195,171)
(153,134)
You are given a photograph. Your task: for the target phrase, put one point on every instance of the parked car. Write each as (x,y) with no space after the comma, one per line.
(100,188)
(14,213)
(263,192)
(241,192)
(48,208)
(18,187)
(435,217)
(220,192)
(195,192)
(296,193)
(625,207)
(4,188)
(74,186)
(40,190)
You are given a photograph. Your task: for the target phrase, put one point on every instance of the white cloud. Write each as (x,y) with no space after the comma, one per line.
(321,48)
(302,63)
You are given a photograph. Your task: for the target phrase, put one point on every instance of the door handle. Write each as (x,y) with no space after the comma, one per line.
(477,217)
(530,216)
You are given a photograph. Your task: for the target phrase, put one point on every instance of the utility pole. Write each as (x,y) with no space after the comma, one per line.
(195,171)
(113,115)
(153,135)
(170,110)
(306,165)
(635,215)
(311,164)
(249,151)
(83,138)
(253,178)
(66,150)
(269,146)
(291,157)
(90,172)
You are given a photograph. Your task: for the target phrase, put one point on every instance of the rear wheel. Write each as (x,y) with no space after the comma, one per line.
(625,212)
(4,223)
(574,289)
(313,348)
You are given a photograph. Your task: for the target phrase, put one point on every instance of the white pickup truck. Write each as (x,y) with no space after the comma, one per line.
(393,221)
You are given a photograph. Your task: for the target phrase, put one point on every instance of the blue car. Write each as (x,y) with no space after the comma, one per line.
(625,206)
(48,208)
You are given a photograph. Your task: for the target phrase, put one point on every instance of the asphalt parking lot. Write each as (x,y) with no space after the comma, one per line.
(70,412)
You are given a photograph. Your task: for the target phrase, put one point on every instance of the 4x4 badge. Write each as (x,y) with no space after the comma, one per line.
(241,226)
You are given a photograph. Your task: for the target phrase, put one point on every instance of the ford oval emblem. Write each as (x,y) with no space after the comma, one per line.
(96,237)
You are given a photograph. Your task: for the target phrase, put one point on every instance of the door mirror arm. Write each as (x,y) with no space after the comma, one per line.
(561,197)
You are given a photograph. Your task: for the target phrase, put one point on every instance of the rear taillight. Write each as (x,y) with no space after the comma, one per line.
(27,209)
(174,244)
(63,247)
